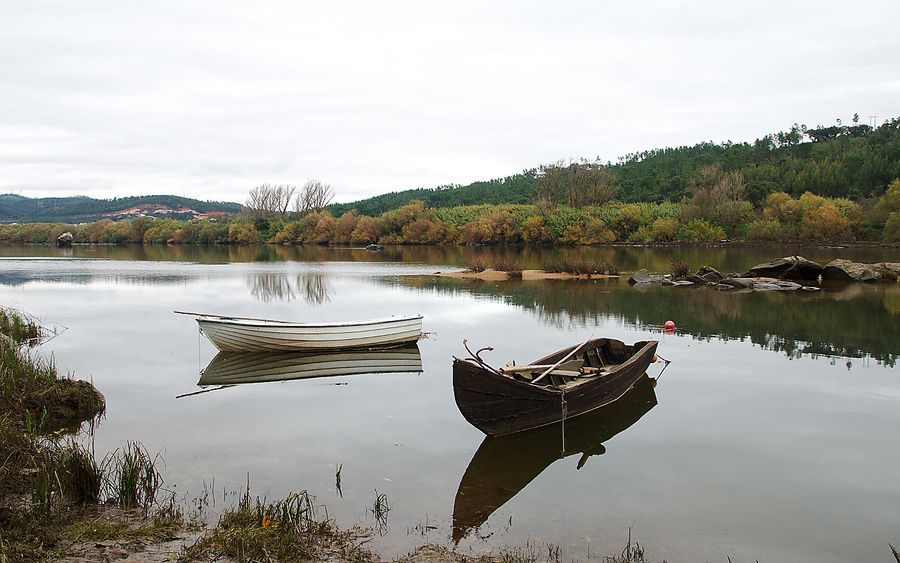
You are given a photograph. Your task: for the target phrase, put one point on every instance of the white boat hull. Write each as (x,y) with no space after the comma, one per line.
(239,335)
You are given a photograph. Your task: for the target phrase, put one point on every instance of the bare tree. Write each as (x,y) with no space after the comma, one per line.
(269,200)
(313,196)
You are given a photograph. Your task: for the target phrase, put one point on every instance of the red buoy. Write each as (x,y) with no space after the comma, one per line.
(670,325)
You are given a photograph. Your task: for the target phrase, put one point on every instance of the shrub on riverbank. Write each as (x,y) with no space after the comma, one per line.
(712,214)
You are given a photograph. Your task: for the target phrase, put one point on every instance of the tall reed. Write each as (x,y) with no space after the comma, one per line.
(134,479)
(82,477)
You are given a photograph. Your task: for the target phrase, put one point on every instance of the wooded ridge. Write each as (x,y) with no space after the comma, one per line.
(79,209)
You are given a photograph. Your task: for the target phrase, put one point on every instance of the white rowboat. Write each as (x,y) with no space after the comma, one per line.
(233,334)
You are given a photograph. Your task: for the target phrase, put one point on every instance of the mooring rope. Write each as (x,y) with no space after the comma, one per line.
(565,412)
(664,367)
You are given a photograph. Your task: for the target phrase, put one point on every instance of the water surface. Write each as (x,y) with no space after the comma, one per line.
(772,436)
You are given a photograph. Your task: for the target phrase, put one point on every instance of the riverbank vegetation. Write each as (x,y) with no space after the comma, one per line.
(712,215)
(837,184)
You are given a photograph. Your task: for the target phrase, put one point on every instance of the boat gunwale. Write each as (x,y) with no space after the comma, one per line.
(554,390)
(288,324)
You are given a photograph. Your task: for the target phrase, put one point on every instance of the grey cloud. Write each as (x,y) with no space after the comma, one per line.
(209,99)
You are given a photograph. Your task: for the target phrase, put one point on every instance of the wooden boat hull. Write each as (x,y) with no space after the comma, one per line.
(497,404)
(504,465)
(238,335)
(231,368)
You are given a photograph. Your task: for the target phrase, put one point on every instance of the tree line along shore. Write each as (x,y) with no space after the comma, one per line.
(825,184)
(710,215)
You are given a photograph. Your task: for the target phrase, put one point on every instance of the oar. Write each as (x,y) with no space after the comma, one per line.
(228,317)
(566,357)
(202,391)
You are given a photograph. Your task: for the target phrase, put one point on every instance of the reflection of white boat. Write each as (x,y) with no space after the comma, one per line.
(235,334)
(229,368)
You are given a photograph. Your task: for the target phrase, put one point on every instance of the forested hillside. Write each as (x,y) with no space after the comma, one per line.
(80,209)
(519,188)
(852,161)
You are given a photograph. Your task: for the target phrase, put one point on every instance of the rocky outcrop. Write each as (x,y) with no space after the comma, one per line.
(789,267)
(780,273)
(643,277)
(759,284)
(65,239)
(846,270)
(709,275)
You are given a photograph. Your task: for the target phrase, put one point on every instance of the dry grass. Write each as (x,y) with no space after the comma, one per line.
(513,268)
(284,530)
(680,269)
(477,265)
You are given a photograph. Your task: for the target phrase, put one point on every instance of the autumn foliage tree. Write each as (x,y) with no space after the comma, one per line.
(576,184)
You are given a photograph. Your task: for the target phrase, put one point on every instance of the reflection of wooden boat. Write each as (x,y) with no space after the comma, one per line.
(509,400)
(229,368)
(234,334)
(504,465)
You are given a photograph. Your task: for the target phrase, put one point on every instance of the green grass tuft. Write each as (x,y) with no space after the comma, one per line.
(581,267)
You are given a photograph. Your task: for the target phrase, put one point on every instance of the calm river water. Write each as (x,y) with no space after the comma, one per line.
(775,434)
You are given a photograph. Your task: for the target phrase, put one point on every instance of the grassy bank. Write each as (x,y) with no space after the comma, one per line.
(54,493)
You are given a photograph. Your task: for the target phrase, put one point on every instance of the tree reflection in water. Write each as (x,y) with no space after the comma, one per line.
(269,286)
(851,321)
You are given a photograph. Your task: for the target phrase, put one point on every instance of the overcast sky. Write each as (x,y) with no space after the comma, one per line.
(208,99)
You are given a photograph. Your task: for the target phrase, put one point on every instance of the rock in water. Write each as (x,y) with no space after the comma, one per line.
(709,275)
(846,270)
(642,277)
(789,267)
(744,283)
(65,239)
(759,284)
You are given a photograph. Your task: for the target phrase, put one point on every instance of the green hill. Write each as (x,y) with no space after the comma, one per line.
(519,188)
(80,209)
(853,161)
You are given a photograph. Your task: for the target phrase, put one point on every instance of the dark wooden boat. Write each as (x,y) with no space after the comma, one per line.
(502,401)
(504,465)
